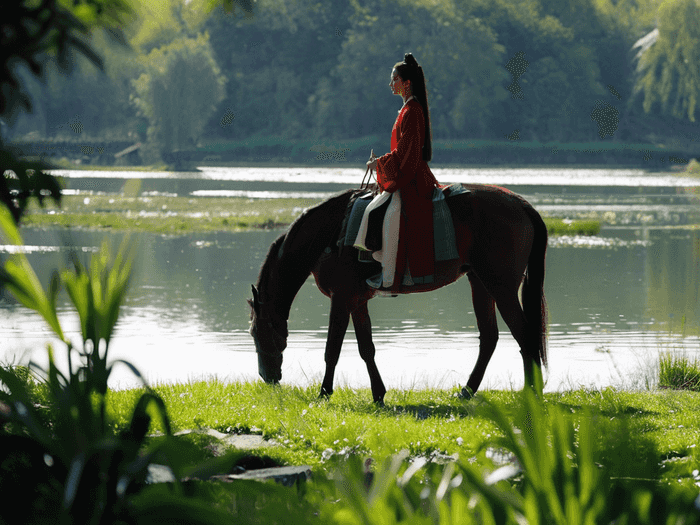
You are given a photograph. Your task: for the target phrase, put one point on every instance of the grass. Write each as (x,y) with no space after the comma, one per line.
(182,215)
(679,372)
(166,214)
(571,227)
(649,435)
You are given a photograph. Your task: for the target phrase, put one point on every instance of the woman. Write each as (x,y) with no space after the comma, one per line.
(405,175)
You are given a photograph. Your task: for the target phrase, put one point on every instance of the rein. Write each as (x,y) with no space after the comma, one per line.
(269,325)
(366,186)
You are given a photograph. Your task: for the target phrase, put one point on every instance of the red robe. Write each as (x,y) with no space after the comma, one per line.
(404,169)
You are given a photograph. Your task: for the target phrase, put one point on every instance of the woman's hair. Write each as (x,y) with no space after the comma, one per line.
(410,70)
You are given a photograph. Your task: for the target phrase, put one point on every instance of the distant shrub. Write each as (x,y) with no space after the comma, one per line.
(693,167)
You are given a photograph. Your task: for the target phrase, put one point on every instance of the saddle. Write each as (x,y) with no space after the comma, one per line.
(444,234)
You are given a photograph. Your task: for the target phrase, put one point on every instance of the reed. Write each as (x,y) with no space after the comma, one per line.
(679,372)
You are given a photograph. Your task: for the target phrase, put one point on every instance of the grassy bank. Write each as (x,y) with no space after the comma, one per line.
(182,215)
(167,214)
(648,435)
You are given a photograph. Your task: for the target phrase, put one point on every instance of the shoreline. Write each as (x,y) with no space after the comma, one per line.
(186,215)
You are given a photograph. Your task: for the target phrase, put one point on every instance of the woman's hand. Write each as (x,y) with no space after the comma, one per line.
(372,162)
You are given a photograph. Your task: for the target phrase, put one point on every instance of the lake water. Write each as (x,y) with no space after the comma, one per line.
(615,301)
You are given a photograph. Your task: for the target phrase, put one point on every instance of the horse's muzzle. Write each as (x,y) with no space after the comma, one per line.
(270,367)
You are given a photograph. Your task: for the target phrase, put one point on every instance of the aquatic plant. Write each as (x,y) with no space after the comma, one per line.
(679,372)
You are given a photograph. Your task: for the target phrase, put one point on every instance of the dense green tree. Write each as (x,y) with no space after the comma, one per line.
(31,33)
(669,60)
(179,90)
(303,69)
(462,60)
(275,64)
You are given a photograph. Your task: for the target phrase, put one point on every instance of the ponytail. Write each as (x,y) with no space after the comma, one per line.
(410,70)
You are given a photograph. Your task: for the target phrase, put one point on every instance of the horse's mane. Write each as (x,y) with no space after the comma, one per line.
(293,254)
(338,201)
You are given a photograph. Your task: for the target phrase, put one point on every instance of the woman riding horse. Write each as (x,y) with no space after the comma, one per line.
(407,240)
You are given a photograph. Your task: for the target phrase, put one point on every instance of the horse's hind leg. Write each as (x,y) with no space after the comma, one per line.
(512,313)
(363,332)
(485,311)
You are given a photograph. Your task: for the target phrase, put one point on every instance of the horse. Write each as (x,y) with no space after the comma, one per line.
(501,240)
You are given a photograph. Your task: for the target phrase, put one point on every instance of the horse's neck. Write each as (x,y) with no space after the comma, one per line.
(303,244)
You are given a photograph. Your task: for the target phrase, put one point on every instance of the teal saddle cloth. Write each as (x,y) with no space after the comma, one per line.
(444,236)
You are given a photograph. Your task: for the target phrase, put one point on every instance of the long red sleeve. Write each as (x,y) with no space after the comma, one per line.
(396,169)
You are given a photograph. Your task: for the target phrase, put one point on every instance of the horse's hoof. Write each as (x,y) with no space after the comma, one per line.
(379,403)
(324,394)
(466,393)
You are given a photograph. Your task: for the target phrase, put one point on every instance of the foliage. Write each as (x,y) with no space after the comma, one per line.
(552,477)
(679,372)
(35,36)
(527,70)
(693,167)
(32,30)
(668,60)
(66,463)
(178,92)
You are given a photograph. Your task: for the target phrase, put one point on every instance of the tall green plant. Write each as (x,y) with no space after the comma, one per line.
(553,478)
(83,472)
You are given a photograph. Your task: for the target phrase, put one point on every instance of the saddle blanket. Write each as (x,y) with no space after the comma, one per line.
(444,237)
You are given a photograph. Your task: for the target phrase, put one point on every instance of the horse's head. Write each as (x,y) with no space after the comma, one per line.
(269,332)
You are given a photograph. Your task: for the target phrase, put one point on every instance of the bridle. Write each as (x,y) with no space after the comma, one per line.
(267,322)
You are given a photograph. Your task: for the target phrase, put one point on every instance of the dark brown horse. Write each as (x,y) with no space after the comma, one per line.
(501,240)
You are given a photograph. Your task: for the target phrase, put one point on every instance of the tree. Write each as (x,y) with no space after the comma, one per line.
(460,56)
(669,60)
(178,93)
(33,35)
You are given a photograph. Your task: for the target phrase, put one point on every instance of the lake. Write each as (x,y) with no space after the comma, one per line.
(615,301)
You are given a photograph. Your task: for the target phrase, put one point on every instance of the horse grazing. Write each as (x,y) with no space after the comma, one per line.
(501,241)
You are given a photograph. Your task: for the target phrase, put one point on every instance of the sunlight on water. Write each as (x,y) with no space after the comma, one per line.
(415,357)
(617,300)
(353,175)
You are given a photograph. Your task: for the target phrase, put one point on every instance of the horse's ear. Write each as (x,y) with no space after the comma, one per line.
(256,299)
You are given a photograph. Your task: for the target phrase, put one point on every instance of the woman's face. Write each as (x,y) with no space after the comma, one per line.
(397,85)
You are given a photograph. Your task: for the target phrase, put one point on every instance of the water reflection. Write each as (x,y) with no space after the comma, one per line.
(186,314)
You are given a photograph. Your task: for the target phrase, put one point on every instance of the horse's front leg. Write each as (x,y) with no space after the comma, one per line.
(363,332)
(337,326)
(487,323)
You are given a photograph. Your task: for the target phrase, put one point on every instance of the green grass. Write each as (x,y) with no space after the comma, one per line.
(166,214)
(649,435)
(181,215)
(679,372)
(571,227)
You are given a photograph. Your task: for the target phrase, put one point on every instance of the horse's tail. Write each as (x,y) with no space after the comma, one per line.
(534,303)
